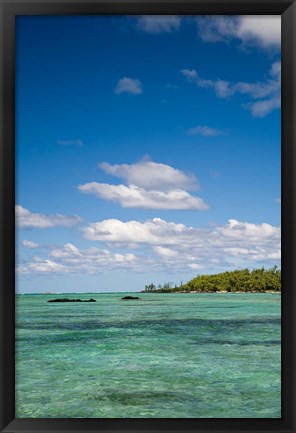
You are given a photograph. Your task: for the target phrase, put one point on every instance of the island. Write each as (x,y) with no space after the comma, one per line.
(239,281)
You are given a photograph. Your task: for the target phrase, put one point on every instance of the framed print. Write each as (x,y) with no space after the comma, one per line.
(147,216)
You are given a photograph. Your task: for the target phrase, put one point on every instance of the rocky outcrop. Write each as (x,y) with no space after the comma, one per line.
(71,300)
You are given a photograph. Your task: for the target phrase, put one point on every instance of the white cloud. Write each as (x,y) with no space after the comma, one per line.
(254,254)
(158,245)
(217,28)
(195,266)
(266,93)
(92,258)
(165,252)
(45,266)
(234,244)
(70,260)
(153,232)
(150,185)
(128,85)
(151,175)
(264,107)
(190,74)
(160,232)
(135,197)
(205,131)
(236,229)
(68,250)
(29,244)
(263,31)
(28,220)
(158,23)
(222,88)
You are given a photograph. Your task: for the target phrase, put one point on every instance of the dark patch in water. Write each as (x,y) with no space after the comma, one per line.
(238,343)
(152,324)
(138,398)
(197,331)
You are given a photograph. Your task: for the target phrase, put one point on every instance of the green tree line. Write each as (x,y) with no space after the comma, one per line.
(245,280)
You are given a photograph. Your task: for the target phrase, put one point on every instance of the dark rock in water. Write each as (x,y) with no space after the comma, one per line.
(130,297)
(71,300)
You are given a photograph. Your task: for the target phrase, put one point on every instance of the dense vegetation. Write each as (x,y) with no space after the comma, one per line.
(257,280)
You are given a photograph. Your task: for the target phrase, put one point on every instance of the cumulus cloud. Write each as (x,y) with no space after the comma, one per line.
(263,31)
(222,88)
(237,229)
(165,252)
(135,197)
(160,232)
(158,23)
(205,131)
(91,258)
(195,266)
(150,185)
(45,267)
(184,245)
(151,175)
(262,108)
(70,260)
(128,85)
(151,232)
(158,245)
(29,244)
(28,220)
(267,94)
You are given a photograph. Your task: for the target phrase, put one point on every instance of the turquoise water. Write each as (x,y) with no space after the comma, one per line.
(166,355)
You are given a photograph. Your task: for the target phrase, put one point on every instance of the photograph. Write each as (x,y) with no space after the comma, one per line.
(148,216)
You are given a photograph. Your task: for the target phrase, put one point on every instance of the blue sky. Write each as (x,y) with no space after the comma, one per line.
(147,149)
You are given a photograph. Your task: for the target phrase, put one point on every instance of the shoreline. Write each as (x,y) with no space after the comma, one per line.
(217,292)
(152,292)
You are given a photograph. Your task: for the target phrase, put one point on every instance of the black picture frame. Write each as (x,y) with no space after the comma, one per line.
(9,10)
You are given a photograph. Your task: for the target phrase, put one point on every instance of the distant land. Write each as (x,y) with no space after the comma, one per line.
(242,281)
(238,281)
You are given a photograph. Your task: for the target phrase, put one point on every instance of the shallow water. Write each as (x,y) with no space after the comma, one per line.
(166,355)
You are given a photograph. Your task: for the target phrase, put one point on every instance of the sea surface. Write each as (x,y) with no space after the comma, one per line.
(166,355)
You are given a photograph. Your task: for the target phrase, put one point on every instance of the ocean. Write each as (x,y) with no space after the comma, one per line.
(163,356)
